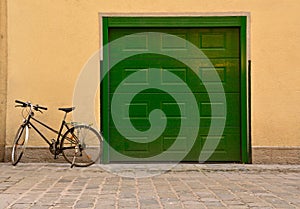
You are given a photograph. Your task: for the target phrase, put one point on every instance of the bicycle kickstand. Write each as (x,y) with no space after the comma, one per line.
(73,161)
(74,158)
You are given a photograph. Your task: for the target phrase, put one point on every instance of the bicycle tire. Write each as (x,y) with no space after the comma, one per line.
(81,146)
(19,145)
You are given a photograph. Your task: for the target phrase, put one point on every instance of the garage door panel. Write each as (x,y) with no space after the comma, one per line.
(181,146)
(138,110)
(228,113)
(227,73)
(225,147)
(131,145)
(219,42)
(228,148)
(177,112)
(169,143)
(214,42)
(140,41)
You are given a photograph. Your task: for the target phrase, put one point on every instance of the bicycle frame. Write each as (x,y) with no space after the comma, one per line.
(59,135)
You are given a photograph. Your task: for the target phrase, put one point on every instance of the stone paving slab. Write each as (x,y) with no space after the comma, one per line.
(52,186)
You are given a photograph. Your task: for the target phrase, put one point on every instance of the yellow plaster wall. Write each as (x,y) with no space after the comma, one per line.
(50,40)
(3,75)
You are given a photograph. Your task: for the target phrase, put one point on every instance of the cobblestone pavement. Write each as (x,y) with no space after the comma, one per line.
(184,186)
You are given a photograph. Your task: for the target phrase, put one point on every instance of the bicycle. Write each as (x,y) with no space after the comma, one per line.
(80,145)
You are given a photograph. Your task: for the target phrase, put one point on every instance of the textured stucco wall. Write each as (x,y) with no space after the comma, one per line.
(49,41)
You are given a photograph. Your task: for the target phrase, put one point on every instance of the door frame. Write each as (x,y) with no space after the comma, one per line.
(107,22)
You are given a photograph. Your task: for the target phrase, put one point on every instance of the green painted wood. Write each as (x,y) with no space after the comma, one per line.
(246,146)
(104,96)
(167,22)
(225,46)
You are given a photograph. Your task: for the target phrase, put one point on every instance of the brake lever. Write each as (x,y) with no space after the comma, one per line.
(36,108)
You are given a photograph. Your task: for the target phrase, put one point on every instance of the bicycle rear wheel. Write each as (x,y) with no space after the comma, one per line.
(19,144)
(82,146)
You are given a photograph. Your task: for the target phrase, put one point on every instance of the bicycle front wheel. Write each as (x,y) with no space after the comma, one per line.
(19,144)
(82,146)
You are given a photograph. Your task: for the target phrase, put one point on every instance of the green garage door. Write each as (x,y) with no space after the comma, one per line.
(222,46)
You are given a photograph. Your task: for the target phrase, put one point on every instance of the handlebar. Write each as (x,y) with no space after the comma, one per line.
(28,104)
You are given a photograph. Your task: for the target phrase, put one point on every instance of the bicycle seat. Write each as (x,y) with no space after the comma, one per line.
(67,109)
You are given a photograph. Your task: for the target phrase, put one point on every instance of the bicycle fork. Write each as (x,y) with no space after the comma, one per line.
(26,137)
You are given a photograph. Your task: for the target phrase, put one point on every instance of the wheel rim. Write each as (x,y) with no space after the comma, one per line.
(19,145)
